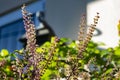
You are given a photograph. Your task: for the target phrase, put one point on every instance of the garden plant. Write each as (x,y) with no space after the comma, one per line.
(61,58)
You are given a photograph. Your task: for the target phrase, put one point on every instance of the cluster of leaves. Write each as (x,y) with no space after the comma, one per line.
(97,63)
(6,70)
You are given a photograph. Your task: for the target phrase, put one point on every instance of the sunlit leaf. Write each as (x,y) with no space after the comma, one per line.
(4,52)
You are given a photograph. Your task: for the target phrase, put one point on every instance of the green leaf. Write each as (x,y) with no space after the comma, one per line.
(97,51)
(72,45)
(108,71)
(4,52)
(117,51)
(31,68)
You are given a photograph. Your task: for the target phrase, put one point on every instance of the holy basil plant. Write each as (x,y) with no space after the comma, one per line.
(61,58)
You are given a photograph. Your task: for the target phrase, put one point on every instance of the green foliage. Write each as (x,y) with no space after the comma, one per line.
(5,64)
(101,63)
(99,60)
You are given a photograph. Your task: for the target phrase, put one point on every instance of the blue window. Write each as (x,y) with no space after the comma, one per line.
(10,34)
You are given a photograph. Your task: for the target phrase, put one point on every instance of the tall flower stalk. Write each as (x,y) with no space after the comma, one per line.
(30,31)
(81,35)
(31,44)
(83,40)
(35,59)
(84,37)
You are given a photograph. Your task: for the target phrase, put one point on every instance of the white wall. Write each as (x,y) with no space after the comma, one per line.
(109,15)
(64,16)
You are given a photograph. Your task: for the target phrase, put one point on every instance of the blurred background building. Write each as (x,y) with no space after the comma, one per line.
(11,22)
(63,16)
